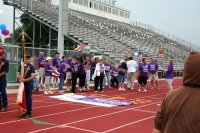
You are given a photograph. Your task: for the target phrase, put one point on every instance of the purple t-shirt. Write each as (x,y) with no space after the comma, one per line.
(107,67)
(93,65)
(56,62)
(114,74)
(74,67)
(61,71)
(169,73)
(81,69)
(153,67)
(68,60)
(143,70)
(40,60)
(120,72)
(47,67)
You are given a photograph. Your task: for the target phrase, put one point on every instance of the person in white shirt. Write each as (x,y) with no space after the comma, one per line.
(99,75)
(131,73)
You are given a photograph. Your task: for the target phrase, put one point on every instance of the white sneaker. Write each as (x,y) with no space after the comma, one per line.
(145,91)
(95,91)
(80,90)
(123,89)
(46,92)
(53,86)
(139,90)
(120,88)
(102,91)
(50,92)
(132,88)
(61,92)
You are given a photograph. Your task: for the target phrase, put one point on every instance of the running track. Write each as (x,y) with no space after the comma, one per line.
(69,117)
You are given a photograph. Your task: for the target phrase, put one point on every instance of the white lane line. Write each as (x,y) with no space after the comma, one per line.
(3,123)
(81,129)
(91,118)
(134,122)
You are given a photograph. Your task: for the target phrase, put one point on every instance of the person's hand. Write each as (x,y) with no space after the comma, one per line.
(21,80)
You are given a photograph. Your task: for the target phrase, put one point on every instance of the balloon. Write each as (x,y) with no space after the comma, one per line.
(3,27)
(5,32)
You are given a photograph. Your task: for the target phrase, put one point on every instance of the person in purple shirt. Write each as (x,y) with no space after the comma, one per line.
(41,61)
(93,65)
(74,67)
(169,74)
(56,63)
(68,60)
(153,73)
(143,70)
(121,75)
(62,70)
(81,74)
(48,73)
(114,75)
(107,71)
(87,68)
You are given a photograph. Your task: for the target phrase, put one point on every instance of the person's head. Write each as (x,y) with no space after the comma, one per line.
(41,54)
(130,58)
(97,59)
(28,59)
(115,67)
(171,62)
(2,55)
(100,60)
(152,59)
(74,58)
(144,60)
(107,61)
(191,72)
(81,60)
(49,59)
(57,55)
(64,58)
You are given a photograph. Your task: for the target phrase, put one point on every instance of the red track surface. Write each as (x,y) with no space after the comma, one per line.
(83,118)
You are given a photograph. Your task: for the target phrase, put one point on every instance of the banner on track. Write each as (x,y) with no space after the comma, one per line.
(92,100)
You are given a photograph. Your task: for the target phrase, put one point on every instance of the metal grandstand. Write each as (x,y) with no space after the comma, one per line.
(116,38)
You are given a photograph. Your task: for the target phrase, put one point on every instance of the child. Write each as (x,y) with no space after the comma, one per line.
(74,66)
(122,75)
(62,70)
(48,69)
(114,75)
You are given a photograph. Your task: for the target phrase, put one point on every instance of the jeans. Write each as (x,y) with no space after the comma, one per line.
(87,81)
(28,92)
(62,80)
(3,94)
(130,79)
(107,76)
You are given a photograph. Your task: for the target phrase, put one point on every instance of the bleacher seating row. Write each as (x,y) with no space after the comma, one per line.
(117,38)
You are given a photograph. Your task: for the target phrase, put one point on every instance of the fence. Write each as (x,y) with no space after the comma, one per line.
(13,54)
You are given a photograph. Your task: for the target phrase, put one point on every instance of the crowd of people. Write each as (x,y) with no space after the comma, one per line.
(70,70)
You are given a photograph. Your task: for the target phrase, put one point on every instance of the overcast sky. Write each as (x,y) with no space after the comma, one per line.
(176,17)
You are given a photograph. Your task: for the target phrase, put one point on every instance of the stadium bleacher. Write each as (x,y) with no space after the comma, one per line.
(117,38)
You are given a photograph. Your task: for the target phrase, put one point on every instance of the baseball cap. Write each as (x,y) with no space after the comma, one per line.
(48,58)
